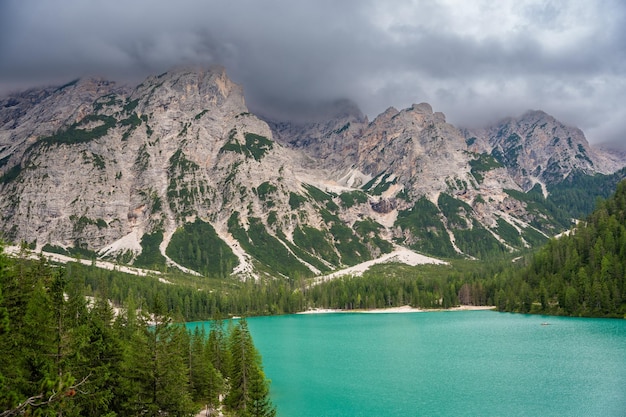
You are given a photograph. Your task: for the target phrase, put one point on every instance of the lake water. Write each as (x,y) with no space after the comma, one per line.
(467,363)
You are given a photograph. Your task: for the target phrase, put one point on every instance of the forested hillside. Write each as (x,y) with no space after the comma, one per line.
(62,353)
(65,349)
(581,274)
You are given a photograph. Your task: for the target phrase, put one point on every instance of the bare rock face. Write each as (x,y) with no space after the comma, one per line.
(417,145)
(104,155)
(117,165)
(330,139)
(97,166)
(538,148)
(384,206)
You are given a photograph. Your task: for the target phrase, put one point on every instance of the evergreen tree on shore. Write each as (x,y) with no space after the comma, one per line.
(249,390)
(62,355)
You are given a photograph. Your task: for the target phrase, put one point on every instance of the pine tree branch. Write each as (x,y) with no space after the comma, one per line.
(32,401)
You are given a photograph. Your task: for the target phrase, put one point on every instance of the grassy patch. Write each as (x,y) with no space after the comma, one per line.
(264,189)
(182,191)
(73,252)
(315,241)
(11,174)
(478,241)
(130,105)
(296,200)
(509,233)
(456,211)
(142,161)
(352,250)
(258,145)
(483,163)
(75,134)
(533,237)
(304,255)
(317,194)
(199,115)
(369,231)
(380,184)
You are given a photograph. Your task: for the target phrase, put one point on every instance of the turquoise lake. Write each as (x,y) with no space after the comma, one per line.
(464,363)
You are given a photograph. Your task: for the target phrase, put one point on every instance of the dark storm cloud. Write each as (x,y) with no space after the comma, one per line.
(476,61)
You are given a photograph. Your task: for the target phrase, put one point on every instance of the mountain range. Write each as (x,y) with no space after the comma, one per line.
(177,172)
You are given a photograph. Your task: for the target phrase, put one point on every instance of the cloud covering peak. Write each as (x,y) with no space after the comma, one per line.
(476,61)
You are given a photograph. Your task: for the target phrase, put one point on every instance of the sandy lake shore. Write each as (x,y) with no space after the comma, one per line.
(402,309)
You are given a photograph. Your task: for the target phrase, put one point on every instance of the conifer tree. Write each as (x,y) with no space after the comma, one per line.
(206,381)
(101,357)
(38,346)
(158,379)
(249,392)
(218,349)
(215,384)
(259,404)
(61,355)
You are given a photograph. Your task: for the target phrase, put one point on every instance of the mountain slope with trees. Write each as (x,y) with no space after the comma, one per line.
(176,172)
(580,274)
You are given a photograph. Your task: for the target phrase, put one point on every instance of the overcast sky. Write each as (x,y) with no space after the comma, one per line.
(474,60)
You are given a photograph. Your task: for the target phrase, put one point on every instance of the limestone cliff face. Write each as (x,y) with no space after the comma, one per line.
(536,148)
(417,146)
(115,165)
(100,167)
(27,116)
(331,141)
(95,163)
(404,156)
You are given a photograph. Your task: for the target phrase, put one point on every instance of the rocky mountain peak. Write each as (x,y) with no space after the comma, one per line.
(191,88)
(537,148)
(131,171)
(387,115)
(41,112)
(422,108)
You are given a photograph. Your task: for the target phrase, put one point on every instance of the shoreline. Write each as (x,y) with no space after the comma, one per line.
(396,310)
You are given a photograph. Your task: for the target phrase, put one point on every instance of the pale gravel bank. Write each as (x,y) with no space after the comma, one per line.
(399,254)
(402,309)
(55,257)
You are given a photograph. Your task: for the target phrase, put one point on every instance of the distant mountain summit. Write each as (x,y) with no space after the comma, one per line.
(178,171)
(537,148)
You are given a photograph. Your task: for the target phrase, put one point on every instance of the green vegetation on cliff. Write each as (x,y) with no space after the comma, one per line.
(265,248)
(198,247)
(151,256)
(78,133)
(427,232)
(579,192)
(255,146)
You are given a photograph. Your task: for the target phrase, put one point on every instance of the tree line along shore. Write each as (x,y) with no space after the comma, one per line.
(63,353)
